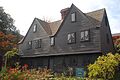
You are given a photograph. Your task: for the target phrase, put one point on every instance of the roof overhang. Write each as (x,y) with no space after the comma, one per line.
(60,54)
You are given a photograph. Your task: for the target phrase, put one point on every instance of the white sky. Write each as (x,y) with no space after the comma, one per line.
(24,11)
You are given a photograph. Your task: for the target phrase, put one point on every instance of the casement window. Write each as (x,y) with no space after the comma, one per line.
(35,28)
(52,41)
(73,17)
(38,43)
(29,45)
(84,35)
(71,37)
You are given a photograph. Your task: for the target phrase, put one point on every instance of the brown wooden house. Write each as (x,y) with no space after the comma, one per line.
(74,41)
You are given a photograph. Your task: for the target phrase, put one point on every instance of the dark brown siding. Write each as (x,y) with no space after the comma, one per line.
(106,37)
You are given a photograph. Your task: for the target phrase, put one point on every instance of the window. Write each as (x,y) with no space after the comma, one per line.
(29,45)
(38,43)
(84,35)
(73,17)
(35,28)
(71,38)
(52,41)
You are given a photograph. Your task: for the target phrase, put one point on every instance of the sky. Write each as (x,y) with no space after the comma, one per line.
(24,11)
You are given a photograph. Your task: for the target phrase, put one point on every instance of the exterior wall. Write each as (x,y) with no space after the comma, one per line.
(61,42)
(61,63)
(106,45)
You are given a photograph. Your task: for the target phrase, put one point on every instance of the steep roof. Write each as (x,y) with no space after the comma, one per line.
(45,26)
(97,15)
(52,27)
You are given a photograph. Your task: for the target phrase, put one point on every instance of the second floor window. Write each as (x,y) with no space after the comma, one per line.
(71,38)
(29,45)
(38,43)
(52,41)
(84,35)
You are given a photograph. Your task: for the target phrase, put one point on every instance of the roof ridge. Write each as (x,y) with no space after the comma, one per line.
(41,20)
(54,21)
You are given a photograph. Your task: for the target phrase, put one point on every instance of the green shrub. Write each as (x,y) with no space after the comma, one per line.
(104,67)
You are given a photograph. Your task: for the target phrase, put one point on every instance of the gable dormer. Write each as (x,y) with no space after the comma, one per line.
(35,37)
(73,16)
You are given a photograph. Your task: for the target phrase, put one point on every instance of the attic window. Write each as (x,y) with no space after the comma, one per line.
(52,41)
(35,28)
(71,38)
(84,35)
(73,17)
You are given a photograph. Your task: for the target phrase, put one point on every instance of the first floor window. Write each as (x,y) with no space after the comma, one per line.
(84,35)
(71,38)
(52,41)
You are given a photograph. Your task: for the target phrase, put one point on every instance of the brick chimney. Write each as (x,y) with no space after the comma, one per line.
(64,12)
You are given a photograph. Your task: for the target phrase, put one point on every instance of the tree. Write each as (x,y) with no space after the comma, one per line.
(104,67)
(9,35)
(7,42)
(6,22)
